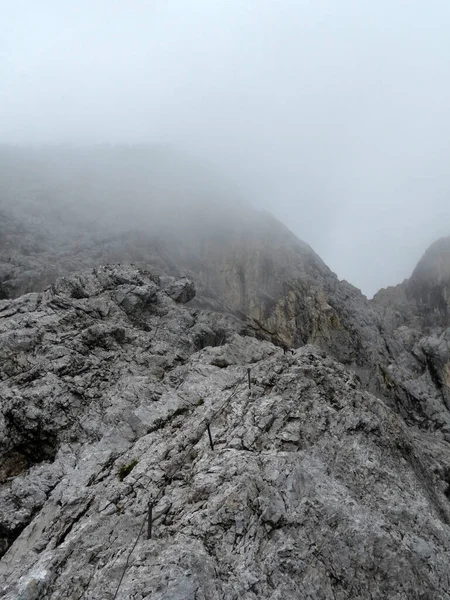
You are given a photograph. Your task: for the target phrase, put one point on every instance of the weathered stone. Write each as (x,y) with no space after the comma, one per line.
(181,290)
(315,487)
(330,476)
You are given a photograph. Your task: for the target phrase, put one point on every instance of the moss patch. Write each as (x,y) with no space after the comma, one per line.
(125,470)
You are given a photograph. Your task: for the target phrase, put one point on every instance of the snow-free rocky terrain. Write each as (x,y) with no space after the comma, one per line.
(315,488)
(136,290)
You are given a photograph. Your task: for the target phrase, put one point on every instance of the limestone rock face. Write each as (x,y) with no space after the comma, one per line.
(315,487)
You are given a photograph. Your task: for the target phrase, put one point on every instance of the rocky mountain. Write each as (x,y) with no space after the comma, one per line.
(425,296)
(328,478)
(69,209)
(313,487)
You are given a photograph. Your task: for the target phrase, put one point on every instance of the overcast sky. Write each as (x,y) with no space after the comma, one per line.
(333,114)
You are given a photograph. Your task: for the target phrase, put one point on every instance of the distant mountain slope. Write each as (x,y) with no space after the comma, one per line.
(429,284)
(426,294)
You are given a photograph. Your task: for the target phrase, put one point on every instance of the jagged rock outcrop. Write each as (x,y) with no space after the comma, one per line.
(315,488)
(182,290)
(58,349)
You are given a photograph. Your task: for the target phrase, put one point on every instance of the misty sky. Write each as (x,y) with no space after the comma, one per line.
(333,114)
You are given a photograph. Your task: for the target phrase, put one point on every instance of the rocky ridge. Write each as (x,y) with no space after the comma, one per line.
(315,487)
(337,455)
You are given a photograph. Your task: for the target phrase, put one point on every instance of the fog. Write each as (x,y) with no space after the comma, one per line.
(331,114)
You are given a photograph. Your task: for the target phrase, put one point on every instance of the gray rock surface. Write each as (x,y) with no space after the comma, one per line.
(330,478)
(66,211)
(181,290)
(315,487)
